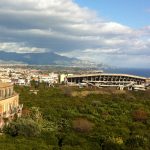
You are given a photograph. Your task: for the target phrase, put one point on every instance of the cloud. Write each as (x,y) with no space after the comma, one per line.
(20,48)
(64,27)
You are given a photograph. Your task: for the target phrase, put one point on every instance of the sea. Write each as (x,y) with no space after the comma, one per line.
(145,72)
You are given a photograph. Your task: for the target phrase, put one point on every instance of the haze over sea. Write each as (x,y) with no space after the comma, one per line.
(145,72)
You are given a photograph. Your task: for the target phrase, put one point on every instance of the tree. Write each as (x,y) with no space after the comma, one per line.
(35,114)
(25,127)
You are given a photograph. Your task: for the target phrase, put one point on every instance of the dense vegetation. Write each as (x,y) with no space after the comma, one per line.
(77,119)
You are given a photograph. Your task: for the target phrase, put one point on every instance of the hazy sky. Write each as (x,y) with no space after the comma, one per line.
(114,32)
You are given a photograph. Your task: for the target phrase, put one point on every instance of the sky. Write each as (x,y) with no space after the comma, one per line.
(113,32)
(133,13)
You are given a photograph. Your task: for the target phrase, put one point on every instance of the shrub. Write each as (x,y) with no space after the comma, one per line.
(140,115)
(73,140)
(24,127)
(49,138)
(25,112)
(111,146)
(135,142)
(82,125)
(68,92)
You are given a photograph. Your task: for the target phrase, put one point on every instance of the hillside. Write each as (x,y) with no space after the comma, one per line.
(35,58)
(103,119)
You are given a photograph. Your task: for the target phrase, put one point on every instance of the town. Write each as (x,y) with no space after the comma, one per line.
(23,76)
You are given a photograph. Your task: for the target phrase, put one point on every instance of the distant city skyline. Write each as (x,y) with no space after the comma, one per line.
(112,32)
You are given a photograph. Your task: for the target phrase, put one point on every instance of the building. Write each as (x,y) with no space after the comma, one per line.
(9,103)
(21,82)
(49,78)
(63,78)
(148,80)
(120,81)
(5,79)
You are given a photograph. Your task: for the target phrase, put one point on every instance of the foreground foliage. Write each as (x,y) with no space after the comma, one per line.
(56,118)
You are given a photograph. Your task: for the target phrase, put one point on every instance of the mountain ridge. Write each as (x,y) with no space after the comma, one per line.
(46,58)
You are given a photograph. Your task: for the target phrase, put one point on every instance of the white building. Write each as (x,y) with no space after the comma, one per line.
(51,78)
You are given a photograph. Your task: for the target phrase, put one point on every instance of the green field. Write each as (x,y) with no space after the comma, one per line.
(80,119)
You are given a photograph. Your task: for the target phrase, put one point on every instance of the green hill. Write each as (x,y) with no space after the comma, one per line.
(104,119)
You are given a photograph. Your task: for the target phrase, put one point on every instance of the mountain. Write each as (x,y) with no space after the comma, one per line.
(48,58)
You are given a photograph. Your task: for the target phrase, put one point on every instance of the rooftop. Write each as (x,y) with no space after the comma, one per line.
(107,74)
